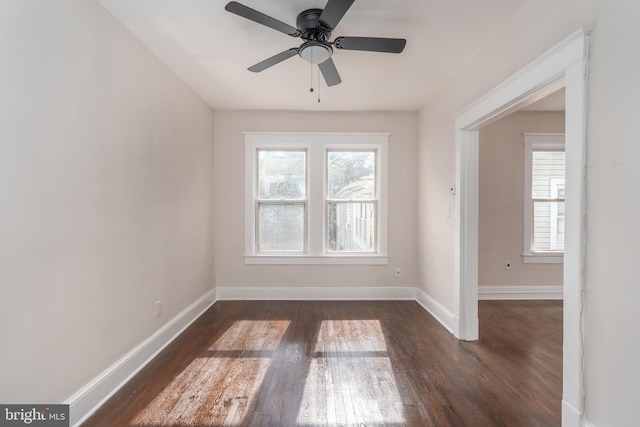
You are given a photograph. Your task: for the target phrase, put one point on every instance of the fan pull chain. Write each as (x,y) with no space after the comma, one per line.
(311,68)
(311,89)
(318,86)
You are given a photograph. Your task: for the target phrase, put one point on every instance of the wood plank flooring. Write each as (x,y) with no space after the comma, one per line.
(355,363)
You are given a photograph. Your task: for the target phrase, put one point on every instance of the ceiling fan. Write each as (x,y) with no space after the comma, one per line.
(314,26)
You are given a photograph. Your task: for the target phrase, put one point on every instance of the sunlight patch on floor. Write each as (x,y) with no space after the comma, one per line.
(216,389)
(350,379)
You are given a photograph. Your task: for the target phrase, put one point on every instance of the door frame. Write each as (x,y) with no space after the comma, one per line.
(564,65)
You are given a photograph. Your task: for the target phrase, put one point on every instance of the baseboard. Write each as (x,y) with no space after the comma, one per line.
(89,398)
(315,293)
(437,310)
(571,417)
(520,292)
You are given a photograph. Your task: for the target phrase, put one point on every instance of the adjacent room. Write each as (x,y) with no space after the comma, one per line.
(320,212)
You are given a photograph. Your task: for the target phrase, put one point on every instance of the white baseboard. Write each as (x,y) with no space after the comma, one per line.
(89,398)
(520,292)
(437,310)
(316,293)
(570,416)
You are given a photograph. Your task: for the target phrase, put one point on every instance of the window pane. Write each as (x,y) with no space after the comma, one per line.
(351,175)
(557,229)
(352,227)
(281,227)
(547,166)
(281,175)
(548,226)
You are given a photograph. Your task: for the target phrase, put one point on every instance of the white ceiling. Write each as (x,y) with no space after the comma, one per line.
(210,49)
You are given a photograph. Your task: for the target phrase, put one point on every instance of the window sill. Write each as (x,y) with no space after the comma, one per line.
(316,260)
(543,258)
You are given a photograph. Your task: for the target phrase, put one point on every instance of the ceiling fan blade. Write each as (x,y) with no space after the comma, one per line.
(333,13)
(371,44)
(261,18)
(330,72)
(275,59)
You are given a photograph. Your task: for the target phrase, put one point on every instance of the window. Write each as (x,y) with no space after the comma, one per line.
(315,198)
(544,198)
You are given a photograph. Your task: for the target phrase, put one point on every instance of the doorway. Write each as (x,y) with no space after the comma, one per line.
(563,65)
(521,213)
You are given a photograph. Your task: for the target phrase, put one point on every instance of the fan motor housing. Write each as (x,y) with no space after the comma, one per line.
(310,27)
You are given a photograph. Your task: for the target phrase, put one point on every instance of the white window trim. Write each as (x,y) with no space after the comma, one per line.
(315,144)
(532,141)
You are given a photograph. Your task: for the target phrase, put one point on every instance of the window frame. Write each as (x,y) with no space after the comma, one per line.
(533,142)
(316,146)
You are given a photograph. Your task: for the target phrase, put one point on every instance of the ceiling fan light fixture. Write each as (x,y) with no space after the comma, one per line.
(315,52)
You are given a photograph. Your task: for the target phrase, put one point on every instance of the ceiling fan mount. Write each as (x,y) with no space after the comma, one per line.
(314,26)
(310,27)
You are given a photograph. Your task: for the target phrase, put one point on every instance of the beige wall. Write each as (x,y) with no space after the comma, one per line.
(501,201)
(229,183)
(106,170)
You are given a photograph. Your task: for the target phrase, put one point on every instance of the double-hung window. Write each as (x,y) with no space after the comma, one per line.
(315,198)
(544,193)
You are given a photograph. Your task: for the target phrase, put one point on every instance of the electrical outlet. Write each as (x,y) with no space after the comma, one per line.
(398,272)
(158,308)
(507,265)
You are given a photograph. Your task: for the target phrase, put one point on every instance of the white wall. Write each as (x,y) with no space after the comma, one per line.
(612,315)
(231,270)
(613,201)
(106,170)
(501,200)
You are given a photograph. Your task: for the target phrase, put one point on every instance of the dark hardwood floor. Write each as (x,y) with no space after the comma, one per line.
(359,363)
